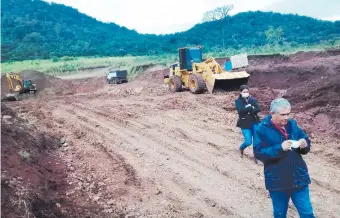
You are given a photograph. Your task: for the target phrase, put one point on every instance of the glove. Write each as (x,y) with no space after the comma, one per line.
(248,105)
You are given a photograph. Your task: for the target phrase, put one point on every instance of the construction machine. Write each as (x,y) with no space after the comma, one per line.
(17,86)
(200,75)
(117,76)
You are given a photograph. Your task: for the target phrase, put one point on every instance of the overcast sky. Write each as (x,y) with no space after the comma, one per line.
(159,16)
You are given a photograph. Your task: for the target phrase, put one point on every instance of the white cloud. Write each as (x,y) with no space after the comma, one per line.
(332,18)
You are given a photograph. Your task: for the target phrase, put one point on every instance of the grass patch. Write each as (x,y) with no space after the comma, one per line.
(71,65)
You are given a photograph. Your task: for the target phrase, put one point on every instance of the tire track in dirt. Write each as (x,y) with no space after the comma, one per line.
(202,175)
(326,187)
(137,158)
(153,206)
(186,144)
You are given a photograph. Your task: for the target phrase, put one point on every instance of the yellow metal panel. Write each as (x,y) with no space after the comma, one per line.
(231,75)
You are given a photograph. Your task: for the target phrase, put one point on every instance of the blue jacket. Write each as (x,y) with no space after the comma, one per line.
(282,169)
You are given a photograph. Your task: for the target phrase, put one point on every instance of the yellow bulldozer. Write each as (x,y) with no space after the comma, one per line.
(200,75)
(17,86)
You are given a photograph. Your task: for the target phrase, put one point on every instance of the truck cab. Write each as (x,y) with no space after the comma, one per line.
(117,76)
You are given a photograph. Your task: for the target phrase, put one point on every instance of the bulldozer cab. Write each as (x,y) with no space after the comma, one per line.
(187,56)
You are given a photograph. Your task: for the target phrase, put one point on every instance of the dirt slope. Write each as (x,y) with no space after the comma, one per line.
(33,181)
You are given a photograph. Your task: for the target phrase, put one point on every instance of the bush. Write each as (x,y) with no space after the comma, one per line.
(55,59)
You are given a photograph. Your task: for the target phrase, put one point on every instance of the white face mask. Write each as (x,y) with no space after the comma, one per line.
(245,95)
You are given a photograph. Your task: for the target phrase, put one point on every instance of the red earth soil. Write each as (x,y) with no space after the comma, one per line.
(33,180)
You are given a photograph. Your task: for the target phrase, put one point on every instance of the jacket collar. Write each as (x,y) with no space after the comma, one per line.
(267,121)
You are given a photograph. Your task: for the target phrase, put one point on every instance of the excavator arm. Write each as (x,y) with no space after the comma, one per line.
(13,78)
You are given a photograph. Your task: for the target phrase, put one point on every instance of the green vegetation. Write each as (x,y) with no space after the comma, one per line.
(34,30)
(73,64)
(136,64)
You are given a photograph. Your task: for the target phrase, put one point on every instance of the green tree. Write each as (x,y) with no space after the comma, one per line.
(274,36)
(220,14)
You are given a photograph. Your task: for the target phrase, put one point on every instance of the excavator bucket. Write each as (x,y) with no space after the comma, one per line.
(11,97)
(226,81)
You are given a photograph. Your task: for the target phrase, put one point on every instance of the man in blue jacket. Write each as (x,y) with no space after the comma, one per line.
(280,143)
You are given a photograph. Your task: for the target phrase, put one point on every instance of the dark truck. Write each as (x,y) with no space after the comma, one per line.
(117,76)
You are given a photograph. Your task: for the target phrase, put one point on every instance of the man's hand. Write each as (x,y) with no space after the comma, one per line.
(303,143)
(286,145)
(248,105)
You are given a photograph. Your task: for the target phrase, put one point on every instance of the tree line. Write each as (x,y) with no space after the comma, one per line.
(41,30)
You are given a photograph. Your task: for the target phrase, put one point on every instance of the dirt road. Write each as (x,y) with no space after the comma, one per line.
(139,149)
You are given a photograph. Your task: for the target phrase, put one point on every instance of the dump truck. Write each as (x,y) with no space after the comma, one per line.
(198,75)
(117,76)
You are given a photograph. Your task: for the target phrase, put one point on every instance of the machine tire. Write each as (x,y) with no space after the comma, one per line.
(196,84)
(175,84)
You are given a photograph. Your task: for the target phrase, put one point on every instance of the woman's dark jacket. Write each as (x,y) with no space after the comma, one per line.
(247,116)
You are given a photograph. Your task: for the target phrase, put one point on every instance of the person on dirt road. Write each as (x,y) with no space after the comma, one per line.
(247,108)
(280,143)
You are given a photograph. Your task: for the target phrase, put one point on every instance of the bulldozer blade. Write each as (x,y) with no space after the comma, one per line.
(226,81)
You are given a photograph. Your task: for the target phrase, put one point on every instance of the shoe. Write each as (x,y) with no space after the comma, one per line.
(241,152)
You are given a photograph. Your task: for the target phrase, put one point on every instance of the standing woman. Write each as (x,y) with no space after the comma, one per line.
(247,108)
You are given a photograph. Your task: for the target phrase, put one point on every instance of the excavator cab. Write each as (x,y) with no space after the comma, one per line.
(29,86)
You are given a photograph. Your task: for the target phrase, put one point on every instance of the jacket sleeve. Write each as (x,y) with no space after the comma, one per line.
(241,109)
(303,135)
(257,108)
(265,152)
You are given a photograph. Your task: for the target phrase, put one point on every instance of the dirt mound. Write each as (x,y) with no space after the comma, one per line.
(41,79)
(33,180)
(273,59)
(310,80)
(320,102)
(151,74)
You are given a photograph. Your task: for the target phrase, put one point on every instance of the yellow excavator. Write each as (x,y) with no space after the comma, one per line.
(200,75)
(17,86)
